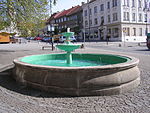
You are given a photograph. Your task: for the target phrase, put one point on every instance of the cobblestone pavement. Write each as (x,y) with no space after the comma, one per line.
(18,99)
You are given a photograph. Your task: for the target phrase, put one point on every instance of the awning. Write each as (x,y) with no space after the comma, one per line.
(5,33)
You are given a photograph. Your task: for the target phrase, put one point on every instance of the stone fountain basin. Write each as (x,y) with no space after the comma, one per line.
(119,76)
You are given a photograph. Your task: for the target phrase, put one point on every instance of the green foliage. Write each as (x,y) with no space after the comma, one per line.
(27,15)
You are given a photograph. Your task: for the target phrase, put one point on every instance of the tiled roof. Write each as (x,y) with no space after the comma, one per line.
(75,10)
(67,12)
(60,14)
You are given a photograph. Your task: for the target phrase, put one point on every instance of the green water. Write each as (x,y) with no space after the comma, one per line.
(79,60)
(62,63)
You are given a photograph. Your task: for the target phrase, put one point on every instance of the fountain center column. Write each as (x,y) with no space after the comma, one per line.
(69,57)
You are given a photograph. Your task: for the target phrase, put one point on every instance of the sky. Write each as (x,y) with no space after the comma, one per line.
(66,4)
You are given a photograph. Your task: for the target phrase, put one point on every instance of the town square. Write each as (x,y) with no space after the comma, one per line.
(88,57)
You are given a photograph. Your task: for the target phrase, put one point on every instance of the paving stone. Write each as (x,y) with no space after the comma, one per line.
(14,99)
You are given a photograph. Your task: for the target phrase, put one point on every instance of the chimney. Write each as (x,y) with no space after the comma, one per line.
(82,3)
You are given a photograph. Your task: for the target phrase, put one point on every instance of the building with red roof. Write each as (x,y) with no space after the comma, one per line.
(71,18)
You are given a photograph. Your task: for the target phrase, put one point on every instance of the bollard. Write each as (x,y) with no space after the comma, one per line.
(82,46)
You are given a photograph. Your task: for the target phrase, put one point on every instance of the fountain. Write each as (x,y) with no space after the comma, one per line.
(78,74)
(68,47)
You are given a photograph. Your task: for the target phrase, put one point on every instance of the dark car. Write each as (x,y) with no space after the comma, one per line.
(148,40)
(47,39)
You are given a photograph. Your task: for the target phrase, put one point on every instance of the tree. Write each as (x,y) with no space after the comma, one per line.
(24,15)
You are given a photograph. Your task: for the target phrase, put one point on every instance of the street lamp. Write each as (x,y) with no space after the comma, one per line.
(146,9)
(83,36)
(124,32)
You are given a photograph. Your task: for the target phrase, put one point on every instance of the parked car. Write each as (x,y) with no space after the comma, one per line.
(30,38)
(47,39)
(148,41)
(13,40)
(38,38)
(63,38)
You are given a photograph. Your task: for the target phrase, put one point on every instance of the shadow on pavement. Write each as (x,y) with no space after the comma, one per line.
(6,81)
(143,50)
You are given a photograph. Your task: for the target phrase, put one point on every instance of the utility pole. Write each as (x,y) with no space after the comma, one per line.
(89,19)
(50,33)
(146,21)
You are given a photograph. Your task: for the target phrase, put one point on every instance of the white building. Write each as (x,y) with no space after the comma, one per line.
(118,20)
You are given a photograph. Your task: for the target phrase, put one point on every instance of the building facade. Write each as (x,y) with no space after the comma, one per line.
(116,20)
(70,18)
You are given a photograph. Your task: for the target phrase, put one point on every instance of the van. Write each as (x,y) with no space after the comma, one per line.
(63,38)
(56,38)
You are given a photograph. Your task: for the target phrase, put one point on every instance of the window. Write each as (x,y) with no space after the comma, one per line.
(95,21)
(109,31)
(62,19)
(95,34)
(86,23)
(115,17)
(140,17)
(140,31)
(140,3)
(126,16)
(95,9)
(133,16)
(134,31)
(75,17)
(114,3)
(102,7)
(115,32)
(145,18)
(133,3)
(146,31)
(145,4)
(102,20)
(56,21)
(128,3)
(126,30)
(108,18)
(124,2)
(65,19)
(90,22)
(85,13)
(108,5)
